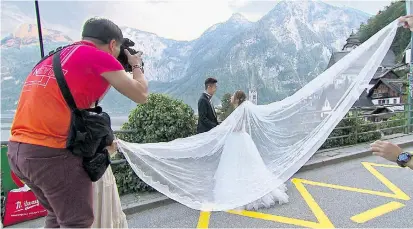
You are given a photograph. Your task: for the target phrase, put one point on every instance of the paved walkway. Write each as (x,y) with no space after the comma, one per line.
(347,172)
(361,193)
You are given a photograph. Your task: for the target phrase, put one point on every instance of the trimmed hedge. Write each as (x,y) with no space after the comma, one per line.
(161,119)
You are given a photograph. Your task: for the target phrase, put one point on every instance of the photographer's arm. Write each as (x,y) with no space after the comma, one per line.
(135,89)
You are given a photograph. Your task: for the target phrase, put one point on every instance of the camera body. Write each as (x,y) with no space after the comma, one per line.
(123,58)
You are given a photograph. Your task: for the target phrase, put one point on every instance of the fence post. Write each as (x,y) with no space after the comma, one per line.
(356,114)
(406,117)
(409,10)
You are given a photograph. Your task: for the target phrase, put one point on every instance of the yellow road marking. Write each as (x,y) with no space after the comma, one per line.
(376,212)
(322,218)
(279,219)
(203,221)
(398,193)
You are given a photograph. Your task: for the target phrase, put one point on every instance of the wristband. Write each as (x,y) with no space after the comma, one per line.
(138,66)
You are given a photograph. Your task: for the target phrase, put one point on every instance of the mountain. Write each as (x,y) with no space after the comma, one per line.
(27,34)
(277,54)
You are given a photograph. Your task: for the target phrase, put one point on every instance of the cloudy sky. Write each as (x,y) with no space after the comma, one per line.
(175,19)
(186,20)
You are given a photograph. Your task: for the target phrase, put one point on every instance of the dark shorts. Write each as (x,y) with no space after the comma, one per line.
(58,180)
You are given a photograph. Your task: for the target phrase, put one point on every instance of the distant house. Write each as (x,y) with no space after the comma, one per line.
(352,42)
(330,97)
(383,113)
(364,101)
(387,91)
(384,71)
(383,74)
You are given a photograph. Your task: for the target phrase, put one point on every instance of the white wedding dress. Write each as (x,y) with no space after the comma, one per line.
(107,207)
(240,166)
(230,167)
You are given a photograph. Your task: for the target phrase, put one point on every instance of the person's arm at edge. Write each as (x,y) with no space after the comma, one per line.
(410,164)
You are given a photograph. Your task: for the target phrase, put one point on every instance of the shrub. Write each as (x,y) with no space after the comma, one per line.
(353,130)
(396,122)
(161,119)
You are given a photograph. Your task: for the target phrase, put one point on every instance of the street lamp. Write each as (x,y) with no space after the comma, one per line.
(39,28)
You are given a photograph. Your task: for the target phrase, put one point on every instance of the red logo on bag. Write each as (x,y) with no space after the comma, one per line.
(26,205)
(22,205)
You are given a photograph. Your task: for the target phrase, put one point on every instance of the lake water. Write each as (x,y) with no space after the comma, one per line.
(7,119)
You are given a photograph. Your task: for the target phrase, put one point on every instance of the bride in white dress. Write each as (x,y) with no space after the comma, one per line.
(241,165)
(107,207)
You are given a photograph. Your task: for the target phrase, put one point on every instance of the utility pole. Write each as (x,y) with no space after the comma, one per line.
(39,28)
(409,10)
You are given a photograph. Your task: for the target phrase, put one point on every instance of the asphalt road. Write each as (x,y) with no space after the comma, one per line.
(354,194)
(332,206)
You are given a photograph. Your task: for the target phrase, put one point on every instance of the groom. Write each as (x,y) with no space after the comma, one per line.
(207,118)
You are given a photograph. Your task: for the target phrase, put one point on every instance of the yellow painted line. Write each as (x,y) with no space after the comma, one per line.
(277,218)
(203,221)
(376,212)
(381,165)
(351,189)
(323,220)
(397,191)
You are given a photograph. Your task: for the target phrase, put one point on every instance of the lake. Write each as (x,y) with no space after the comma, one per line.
(7,119)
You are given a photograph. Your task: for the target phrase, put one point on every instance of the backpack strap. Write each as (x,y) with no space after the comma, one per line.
(57,69)
(51,53)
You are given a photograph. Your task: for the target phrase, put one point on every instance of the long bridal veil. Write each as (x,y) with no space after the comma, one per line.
(286,133)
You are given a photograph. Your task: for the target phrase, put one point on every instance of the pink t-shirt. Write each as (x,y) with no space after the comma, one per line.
(42,116)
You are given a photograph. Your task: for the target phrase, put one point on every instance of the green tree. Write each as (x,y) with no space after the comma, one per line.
(379,21)
(161,119)
(226,108)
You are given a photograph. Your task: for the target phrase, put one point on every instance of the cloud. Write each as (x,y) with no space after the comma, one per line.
(175,19)
(182,20)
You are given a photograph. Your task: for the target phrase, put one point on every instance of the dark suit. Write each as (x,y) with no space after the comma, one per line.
(207,118)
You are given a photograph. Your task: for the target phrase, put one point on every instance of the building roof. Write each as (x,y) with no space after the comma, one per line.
(353,39)
(388,61)
(364,100)
(380,109)
(336,56)
(394,84)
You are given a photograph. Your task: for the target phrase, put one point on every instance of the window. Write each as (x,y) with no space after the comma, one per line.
(394,101)
(383,101)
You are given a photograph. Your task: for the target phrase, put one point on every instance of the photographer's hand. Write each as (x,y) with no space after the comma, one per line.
(134,59)
(136,62)
(137,88)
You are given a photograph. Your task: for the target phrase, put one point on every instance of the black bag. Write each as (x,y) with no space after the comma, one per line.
(90,129)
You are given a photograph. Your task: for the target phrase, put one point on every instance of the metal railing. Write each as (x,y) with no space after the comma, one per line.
(390,123)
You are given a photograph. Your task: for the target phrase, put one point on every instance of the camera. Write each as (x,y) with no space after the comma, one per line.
(123,58)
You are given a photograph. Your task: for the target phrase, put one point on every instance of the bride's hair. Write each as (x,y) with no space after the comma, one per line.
(240,96)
